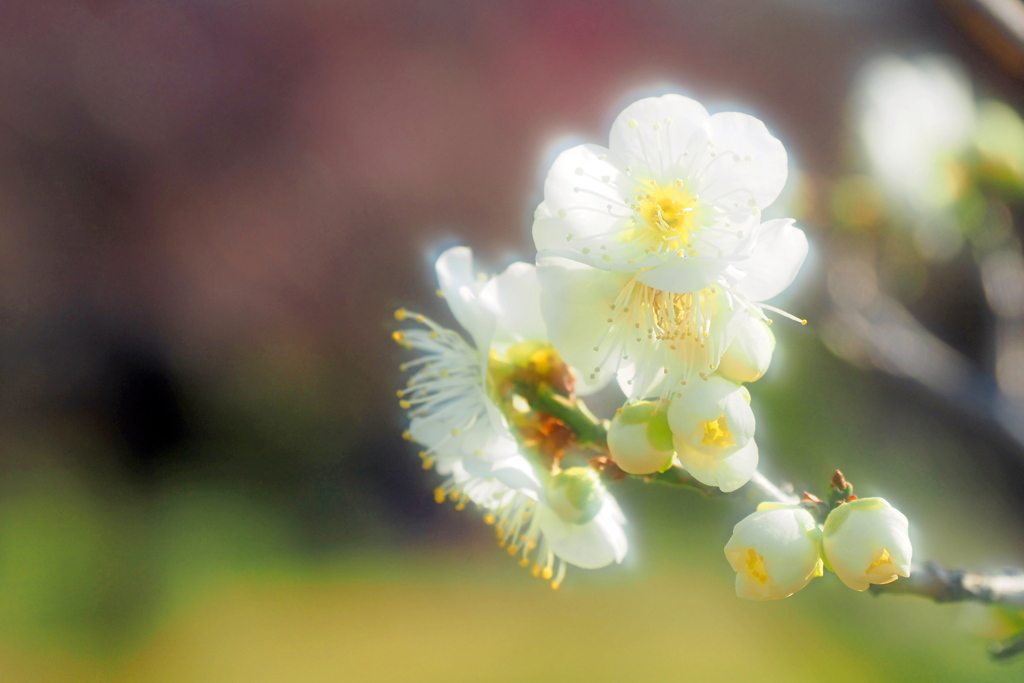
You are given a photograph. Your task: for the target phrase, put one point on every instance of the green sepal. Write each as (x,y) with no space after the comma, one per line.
(659,434)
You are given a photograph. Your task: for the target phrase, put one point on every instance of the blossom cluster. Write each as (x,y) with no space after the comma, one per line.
(652,271)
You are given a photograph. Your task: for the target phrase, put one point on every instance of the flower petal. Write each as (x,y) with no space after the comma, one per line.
(728,473)
(745,165)
(586,190)
(655,134)
(457,282)
(684,274)
(780,251)
(515,472)
(575,302)
(514,299)
(592,545)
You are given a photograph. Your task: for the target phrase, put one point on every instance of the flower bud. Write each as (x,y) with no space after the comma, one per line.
(749,354)
(865,541)
(774,552)
(576,494)
(712,431)
(640,440)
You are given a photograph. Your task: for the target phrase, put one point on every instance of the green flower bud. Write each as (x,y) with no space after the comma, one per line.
(576,494)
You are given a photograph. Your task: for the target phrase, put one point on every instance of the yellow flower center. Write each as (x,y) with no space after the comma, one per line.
(665,214)
(882,560)
(755,567)
(716,433)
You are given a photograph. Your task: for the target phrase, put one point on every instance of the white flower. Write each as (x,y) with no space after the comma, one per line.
(649,248)
(866,541)
(749,354)
(639,438)
(451,410)
(550,521)
(915,118)
(573,520)
(713,433)
(774,552)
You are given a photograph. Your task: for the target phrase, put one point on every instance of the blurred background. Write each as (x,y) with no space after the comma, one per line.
(209,210)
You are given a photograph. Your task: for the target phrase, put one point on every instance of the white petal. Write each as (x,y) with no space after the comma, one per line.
(709,400)
(575,301)
(514,299)
(515,472)
(780,251)
(587,192)
(592,545)
(748,167)
(750,352)
(684,274)
(457,282)
(653,134)
(728,473)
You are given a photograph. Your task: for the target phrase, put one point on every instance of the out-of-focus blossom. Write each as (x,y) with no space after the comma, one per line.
(774,552)
(866,541)
(915,119)
(652,250)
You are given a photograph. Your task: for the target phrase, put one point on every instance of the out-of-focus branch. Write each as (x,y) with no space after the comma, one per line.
(997,26)
(870,327)
(929,580)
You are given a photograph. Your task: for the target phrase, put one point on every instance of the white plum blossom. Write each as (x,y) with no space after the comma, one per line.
(774,552)
(450,411)
(713,433)
(652,249)
(866,541)
(550,520)
(640,439)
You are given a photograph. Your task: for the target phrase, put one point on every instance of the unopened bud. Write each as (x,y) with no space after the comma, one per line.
(576,494)
(774,552)
(866,541)
(749,354)
(640,440)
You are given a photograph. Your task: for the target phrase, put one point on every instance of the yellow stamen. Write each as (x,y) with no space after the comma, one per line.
(755,567)
(716,433)
(884,558)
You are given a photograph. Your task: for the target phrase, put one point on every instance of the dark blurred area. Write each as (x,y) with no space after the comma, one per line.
(208,211)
